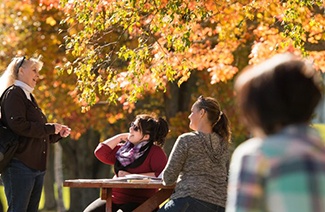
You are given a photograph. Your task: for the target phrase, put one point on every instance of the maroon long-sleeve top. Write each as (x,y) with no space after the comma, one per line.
(154,162)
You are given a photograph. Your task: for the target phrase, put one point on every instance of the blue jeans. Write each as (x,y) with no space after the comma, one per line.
(23,187)
(190,204)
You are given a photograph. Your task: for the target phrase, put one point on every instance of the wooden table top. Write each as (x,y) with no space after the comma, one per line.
(115,183)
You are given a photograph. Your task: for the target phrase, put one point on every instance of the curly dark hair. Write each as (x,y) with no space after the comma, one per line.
(156,128)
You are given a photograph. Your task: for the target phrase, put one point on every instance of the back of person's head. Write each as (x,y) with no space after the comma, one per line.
(218,119)
(278,92)
(11,73)
(157,128)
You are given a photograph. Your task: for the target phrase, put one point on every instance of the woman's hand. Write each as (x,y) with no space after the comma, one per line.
(113,141)
(124,136)
(61,129)
(57,127)
(65,131)
(122,173)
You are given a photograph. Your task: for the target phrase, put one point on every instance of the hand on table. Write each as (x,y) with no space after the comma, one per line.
(122,173)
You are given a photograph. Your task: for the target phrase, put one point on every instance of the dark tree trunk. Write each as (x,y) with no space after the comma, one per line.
(179,99)
(79,162)
(50,203)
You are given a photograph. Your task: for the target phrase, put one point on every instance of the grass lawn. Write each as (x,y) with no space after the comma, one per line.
(66,198)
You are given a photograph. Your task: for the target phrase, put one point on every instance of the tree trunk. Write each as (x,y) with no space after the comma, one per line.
(79,162)
(58,176)
(50,203)
(178,99)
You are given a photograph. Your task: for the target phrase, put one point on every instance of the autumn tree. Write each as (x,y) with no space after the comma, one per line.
(115,59)
(32,29)
(123,49)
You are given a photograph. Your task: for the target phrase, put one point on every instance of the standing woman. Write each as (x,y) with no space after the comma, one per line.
(199,160)
(136,152)
(23,177)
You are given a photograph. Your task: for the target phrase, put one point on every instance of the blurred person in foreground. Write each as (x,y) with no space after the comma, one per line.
(198,162)
(24,175)
(282,168)
(135,152)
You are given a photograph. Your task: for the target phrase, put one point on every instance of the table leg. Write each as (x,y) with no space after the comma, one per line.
(153,202)
(106,194)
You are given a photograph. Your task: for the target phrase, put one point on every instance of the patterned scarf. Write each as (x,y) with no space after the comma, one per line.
(129,152)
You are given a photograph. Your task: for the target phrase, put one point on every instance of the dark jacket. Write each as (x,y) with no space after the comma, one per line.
(26,119)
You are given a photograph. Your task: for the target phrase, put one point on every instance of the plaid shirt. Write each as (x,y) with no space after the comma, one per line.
(284,172)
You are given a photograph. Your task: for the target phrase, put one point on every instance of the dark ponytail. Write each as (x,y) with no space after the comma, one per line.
(219,120)
(161,131)
(156,128)
(222,128)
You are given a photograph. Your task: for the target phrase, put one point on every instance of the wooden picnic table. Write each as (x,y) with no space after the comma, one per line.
(106,186)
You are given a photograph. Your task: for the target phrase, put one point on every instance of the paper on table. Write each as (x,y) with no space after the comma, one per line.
(161,175)
(132,176)
(141,176)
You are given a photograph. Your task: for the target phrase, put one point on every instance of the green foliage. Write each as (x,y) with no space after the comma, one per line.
(294,26)
(118,52)
(146,44)
(110,39)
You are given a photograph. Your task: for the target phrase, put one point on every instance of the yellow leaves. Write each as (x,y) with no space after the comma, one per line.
(161,41)
(51,21)
(49,3)
(268,45)
(222,73)
(318,60)
(259,15)
(114,118)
